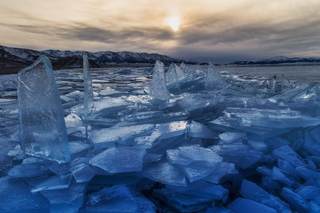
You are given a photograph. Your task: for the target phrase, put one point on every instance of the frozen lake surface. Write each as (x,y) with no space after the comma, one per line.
(299,73)
(237,140)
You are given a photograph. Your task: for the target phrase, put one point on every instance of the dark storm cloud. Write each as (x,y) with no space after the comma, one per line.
(91,33)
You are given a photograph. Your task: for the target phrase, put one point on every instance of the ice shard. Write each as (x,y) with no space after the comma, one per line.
(213,79)
(88,91)
(179,72)
(187,71)
(158,87)
(174,74)
(42,126)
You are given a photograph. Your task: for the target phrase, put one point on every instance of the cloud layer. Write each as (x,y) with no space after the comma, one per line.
(210,30)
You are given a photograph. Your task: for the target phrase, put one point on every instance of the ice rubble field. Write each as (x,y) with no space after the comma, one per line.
(182,139)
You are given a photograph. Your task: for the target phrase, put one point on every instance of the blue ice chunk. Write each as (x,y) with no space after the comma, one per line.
(43,130)
(309,192)
(72,207)
(258,145)
(221,170)
(308,174)
(241,205)
(185,155)
(243,156)
(202,190)
(288,154)
(197,162)
(118,198)
(120,159)
(265,123)
(264,171)
(65,200)
(311,141)
(32,160)
(165,173)
(252,191)
(72,120)
(82,173)
(200,103)
(59,169)
(282,178)
(295,200)
(193,198)
(103,107)
(114,192)
(116,135)
(197,171)
(168,136)
(314,207)
(77,148)
(198,130)
(145,205)
(74,124)
(52,183)
(287,168)
(231,137)
(28,170)
(16,197)
(270,185)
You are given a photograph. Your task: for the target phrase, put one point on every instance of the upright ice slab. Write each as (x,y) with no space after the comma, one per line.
(158,87)
(213,78)
(174,74)
(42,126)
(88,91)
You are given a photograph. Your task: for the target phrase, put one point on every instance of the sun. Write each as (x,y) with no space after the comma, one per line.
(174,22)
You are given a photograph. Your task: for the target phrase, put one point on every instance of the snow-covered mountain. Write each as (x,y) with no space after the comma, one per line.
(281,60)
(13,59)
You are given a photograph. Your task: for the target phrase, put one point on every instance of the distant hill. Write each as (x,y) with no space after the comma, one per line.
(14,59)
(281,60)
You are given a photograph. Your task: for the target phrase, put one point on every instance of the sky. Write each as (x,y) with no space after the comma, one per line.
(202,30)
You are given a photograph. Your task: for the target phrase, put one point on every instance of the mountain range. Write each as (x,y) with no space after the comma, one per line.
(281,60)
(14,59)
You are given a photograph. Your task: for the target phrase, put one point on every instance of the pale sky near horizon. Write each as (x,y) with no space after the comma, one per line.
(214,30)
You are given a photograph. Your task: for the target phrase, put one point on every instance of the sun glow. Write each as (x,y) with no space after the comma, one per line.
(174,23)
